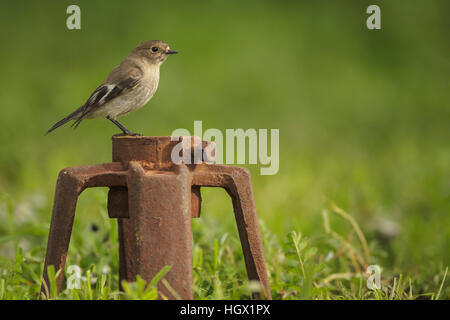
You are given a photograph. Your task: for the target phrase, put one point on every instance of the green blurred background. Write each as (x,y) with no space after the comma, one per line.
(364,115)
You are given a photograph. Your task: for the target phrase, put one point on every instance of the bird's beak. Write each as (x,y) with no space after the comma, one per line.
(171,52)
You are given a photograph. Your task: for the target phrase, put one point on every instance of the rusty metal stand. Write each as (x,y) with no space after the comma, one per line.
(154,201)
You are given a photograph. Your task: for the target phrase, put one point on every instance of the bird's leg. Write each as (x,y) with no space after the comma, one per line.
(125,131)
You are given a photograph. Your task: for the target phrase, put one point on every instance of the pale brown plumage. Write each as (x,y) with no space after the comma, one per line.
(127,88)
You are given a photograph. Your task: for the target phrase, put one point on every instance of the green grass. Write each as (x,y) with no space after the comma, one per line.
(329,267)
(364,128)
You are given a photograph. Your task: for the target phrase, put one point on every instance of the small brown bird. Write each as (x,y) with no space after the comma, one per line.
(127,88)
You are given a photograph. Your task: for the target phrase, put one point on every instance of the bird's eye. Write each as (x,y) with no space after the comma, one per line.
(154,49)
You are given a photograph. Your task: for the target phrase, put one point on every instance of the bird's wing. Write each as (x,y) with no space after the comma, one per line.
(115,85)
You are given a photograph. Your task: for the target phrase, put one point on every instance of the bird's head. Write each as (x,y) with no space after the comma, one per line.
(154,51)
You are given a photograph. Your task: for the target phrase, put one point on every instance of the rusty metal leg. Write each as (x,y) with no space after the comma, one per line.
(247,222)
(196,201)
(127,267)
(66,196)
(118,208)
(237,182)
(71,182)
(160,228)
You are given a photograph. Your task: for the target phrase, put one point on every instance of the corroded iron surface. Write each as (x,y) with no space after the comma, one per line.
(154,201)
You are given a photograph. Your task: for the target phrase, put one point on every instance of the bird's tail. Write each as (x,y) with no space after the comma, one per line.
(74,115)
